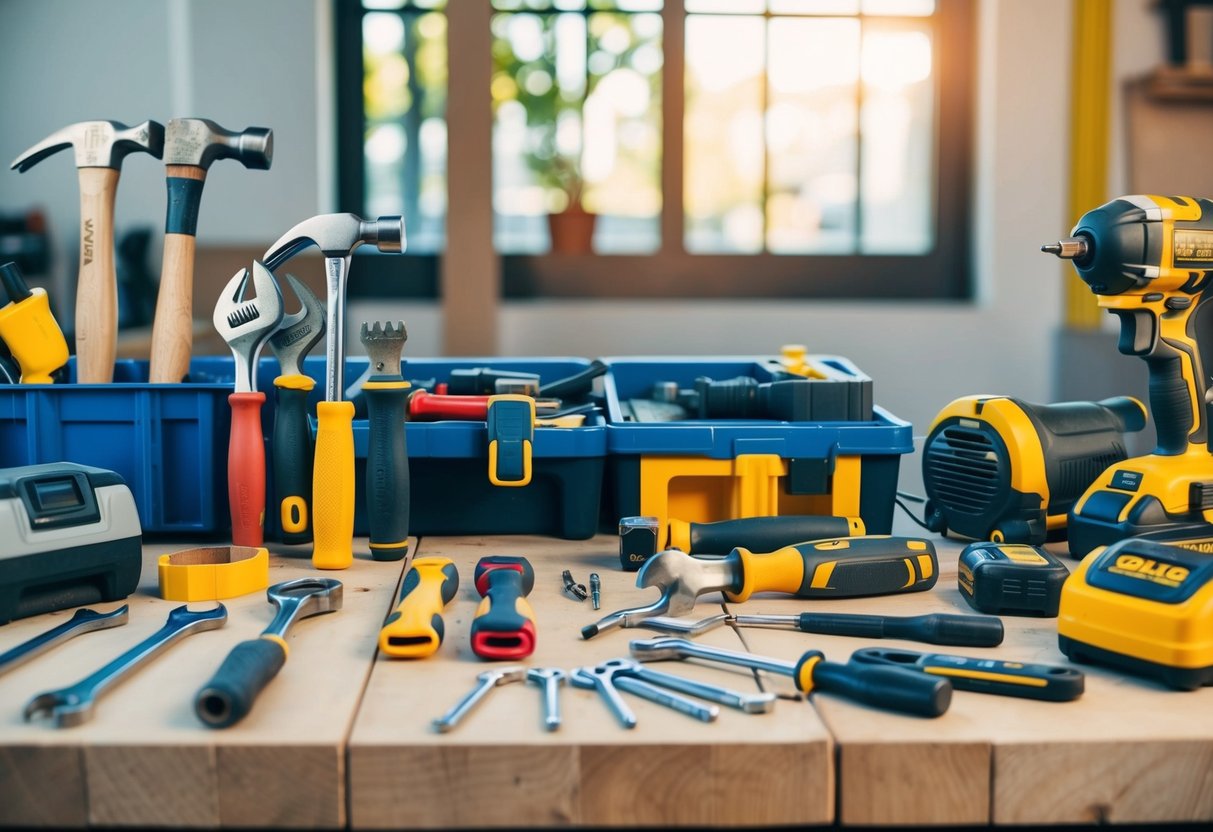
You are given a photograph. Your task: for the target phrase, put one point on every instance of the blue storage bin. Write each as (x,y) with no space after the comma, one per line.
(450,493)
(168,441)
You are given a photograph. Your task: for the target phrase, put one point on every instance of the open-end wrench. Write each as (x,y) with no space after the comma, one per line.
(895,689)
(750,703)
(84,621)
(74,705)
(229,695)
(606,678)
(487,680)
(549,679)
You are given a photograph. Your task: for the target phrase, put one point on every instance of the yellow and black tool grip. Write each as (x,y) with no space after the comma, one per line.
(758,534)
(333,487)
(293,457)
(936,628)
(504,625)
(888,688)
(228,697)
(415,628)
(1053,683)
(844,567)
(387,469)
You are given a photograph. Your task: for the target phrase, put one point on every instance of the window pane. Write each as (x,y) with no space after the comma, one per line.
(898,138)
(811,135)
(906,8)
(723,144)
(815,6)
(577,110)
(726,6)
(404,144)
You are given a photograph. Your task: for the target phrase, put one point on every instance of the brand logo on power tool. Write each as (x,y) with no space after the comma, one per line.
(1148,569)
(635,558)
(86,244)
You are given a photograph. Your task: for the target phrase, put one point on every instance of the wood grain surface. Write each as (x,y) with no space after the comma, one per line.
(500,768)
(146,760)
(343,737)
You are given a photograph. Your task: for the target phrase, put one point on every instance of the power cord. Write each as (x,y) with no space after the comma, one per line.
(914,498)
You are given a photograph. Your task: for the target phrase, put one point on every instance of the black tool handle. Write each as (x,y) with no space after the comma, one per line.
(889,688)
(937,628)
(387,470)
(576,386)
(762,534)
(293,457)
(228,697)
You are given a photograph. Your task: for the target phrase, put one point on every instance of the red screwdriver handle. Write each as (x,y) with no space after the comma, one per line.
(246,469)
(425,406)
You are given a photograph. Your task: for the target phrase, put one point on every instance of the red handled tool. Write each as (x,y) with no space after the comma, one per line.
(246,325)
(504,626)
(432,407)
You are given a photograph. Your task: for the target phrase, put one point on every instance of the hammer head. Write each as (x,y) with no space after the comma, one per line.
(198,141)
(98,144)
(337,235)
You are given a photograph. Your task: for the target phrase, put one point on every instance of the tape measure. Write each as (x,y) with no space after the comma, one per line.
(69,535)
(1143,607)
(1011,579)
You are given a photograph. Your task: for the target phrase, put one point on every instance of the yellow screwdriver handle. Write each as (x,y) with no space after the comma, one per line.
(415,630)
(842,567)
(333,487)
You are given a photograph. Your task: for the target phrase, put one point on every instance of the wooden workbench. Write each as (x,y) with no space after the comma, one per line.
(343,738)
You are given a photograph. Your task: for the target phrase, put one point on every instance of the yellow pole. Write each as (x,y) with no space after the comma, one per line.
(1090,98)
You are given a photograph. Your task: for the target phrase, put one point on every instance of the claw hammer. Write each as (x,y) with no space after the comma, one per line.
(336,235)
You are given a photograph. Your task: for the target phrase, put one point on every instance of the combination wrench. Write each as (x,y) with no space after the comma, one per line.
(74,705)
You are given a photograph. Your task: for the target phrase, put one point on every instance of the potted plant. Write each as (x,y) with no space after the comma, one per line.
(572,226)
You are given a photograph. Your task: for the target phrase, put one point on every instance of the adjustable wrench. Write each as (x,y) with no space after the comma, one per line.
(74,705)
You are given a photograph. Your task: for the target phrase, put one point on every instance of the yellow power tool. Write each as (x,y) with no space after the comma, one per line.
(1149,260)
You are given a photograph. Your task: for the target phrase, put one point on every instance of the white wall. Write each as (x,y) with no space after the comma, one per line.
(257,62)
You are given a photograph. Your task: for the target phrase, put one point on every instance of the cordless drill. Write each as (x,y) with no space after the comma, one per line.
(1149,259)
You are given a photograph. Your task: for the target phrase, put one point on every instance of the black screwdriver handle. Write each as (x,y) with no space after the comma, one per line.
(759,534)
(228,697)
(888,688)
(936,628)
(293,457)
(387,469)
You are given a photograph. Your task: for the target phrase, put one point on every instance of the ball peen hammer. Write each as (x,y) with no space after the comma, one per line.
(191,145)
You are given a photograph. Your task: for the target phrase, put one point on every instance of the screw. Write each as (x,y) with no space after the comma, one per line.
(572,587)
(595,589)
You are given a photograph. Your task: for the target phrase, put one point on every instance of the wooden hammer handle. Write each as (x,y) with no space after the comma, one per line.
(173,327)
(97,285)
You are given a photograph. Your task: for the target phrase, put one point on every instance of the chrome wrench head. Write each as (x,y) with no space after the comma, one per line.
(302,598)
(549,679)
(75,704)
(486,681)
(299,331)
(247,324)
(601,678)
(681,577)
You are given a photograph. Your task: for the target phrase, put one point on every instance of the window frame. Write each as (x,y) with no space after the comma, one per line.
(944,273)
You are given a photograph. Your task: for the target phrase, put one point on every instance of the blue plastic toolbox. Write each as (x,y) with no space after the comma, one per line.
(703,470)
(167,441)
(450,491)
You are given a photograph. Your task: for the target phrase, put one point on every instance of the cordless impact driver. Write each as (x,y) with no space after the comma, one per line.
(1149,260)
